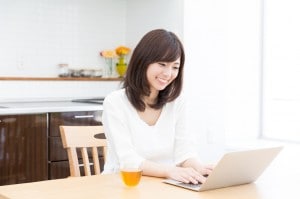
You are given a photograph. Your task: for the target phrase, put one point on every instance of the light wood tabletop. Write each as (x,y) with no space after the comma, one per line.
(276,182)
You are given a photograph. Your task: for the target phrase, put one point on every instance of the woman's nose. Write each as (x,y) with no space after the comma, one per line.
(167,71)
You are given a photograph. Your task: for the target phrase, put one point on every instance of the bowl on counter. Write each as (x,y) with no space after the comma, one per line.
(83,73)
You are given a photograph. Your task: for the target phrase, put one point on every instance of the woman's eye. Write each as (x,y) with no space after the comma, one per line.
(176,66)
(162,64)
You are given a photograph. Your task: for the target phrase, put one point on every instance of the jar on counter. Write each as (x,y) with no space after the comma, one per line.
(63,70)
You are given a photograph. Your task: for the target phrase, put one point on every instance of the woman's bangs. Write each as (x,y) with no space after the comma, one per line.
(171,54)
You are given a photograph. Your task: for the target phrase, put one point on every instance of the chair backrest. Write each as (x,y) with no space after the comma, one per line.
(83,138)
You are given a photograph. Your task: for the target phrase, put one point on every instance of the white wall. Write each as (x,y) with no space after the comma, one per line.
(54,90)
(244,81)
(205,43)
(37,35)
(143,16)
(222,40)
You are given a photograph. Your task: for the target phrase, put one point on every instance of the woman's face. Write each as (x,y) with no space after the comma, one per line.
(161,74)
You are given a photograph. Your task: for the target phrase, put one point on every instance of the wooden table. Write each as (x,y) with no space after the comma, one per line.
(110,186)
(277,182)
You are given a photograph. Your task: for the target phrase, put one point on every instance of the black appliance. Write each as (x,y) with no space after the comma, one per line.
(96,100)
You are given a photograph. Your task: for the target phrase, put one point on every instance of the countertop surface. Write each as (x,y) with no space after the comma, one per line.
(9,108)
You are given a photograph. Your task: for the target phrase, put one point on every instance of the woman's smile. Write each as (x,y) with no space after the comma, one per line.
(162,80)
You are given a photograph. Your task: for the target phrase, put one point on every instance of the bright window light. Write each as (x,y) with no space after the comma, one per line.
(281,70)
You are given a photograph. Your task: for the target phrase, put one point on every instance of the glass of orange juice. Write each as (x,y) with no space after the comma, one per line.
(131,176)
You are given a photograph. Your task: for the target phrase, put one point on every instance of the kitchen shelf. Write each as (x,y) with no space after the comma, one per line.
(61,78)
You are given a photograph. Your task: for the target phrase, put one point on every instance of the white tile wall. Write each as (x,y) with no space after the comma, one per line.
(37,35)
(54,90)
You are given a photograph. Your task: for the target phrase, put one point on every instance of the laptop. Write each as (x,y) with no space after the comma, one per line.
(234,168)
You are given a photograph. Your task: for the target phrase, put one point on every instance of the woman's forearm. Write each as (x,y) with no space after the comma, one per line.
(153,169)
(189,171)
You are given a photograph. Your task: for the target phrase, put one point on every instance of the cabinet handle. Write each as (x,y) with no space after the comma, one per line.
(83,116)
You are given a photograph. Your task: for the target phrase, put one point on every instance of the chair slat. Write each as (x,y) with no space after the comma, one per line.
(73,162)
(96,160)
(86,162)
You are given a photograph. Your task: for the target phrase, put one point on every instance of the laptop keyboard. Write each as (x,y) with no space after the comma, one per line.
(191,186)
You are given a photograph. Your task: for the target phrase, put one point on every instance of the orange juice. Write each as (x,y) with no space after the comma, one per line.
(131,177)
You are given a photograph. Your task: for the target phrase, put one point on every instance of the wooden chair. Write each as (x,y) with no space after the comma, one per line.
(82,138)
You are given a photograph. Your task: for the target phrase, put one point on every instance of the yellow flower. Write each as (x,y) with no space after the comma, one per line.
(108,54)
(122,50)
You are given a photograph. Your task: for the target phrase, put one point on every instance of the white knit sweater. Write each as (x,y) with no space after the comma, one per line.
(131,140)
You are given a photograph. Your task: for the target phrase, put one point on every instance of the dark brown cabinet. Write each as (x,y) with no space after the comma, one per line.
(23,148)
(58,159)
(31,147)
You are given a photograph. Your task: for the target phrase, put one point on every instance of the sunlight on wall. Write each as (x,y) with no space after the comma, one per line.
(222,40)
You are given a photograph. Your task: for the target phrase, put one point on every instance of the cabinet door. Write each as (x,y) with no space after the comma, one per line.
(23,148)
(58,159)
(73,119)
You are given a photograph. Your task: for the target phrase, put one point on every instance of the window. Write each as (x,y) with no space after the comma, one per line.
(281,70)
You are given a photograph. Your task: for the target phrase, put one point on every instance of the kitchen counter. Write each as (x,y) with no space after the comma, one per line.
(9,108)
(61,78)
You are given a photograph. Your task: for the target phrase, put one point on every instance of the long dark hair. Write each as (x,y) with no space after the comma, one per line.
(156,46)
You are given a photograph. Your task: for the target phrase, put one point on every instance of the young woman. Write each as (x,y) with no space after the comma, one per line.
(145,121)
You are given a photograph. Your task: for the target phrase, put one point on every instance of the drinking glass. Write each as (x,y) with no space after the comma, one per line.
(131,176)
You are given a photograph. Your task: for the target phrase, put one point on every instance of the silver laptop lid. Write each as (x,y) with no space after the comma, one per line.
(235,168)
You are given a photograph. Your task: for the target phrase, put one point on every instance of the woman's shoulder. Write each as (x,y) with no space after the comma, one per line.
(116,93)
(116,96)
(177,105)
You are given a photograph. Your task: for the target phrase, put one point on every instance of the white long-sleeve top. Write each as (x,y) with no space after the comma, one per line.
(131,140)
